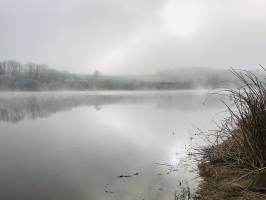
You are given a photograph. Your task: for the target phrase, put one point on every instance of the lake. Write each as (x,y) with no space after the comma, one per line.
(100,145)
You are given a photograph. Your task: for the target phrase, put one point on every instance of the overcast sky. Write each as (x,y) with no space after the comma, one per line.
(133,36)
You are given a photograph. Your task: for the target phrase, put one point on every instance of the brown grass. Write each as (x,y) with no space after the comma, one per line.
(220,182)
(234,163)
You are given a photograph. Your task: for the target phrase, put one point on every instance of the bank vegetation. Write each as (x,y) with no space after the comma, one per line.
(233,165)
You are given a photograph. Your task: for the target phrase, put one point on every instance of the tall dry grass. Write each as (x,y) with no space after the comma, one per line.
(241,138)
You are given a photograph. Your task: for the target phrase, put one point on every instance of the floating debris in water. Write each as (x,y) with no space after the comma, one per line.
(109,192)
(128,176)
(165,164)
(124,176)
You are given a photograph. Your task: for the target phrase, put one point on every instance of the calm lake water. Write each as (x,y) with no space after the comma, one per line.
(99,145)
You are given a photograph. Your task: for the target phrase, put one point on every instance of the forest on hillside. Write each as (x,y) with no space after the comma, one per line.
(15,76)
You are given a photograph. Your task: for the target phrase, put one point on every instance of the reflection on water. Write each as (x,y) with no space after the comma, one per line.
(15,107)
(115,146)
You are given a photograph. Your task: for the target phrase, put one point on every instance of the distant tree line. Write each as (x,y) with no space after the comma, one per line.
(198,77)
(36,77)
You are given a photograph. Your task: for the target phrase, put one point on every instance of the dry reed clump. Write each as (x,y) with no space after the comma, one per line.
(240,142)
(241,138)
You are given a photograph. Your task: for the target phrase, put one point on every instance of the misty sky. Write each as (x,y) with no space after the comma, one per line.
(133,36)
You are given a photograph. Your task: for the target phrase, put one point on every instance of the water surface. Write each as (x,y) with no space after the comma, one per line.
(99,145)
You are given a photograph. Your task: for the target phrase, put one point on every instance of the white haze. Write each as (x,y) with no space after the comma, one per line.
(135,36)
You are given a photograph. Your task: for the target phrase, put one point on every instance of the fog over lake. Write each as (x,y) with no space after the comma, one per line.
(99,145)
(132,100)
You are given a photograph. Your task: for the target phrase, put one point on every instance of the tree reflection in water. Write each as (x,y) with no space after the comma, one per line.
(18,106)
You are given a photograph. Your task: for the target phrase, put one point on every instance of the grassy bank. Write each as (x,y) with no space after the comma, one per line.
(233,165)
